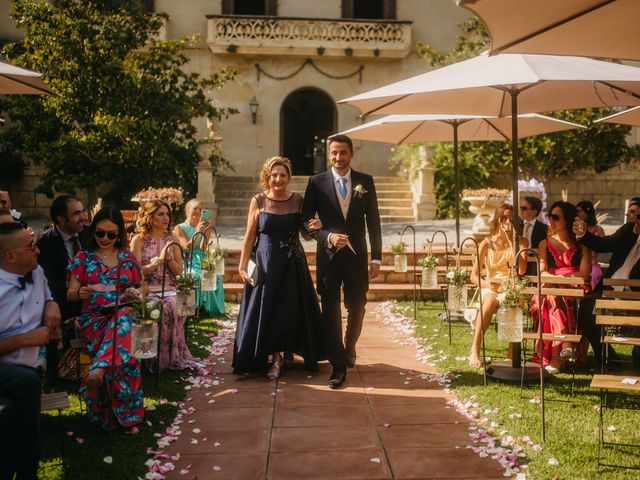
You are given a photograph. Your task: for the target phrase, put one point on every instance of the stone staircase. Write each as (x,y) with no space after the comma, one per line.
(233,195)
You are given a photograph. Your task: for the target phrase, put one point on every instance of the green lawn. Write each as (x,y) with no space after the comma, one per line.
(571,423)
(85,460)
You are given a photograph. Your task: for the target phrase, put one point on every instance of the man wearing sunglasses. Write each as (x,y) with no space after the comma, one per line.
(27,315)
(530,228)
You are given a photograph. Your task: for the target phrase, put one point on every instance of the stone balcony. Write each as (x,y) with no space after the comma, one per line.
(239,34)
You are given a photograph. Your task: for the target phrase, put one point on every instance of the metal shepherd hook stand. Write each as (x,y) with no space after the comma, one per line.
(414,274)
(446,266)
(162,290)
(540,333)
(484,356)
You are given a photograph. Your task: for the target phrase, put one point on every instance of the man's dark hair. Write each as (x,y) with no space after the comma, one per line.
(7,229)
(535,202)
(635,201)
(341,139)
(59,206)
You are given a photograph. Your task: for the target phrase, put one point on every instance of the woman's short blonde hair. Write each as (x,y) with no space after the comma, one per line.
(191,204)
(265,172)
(146,211)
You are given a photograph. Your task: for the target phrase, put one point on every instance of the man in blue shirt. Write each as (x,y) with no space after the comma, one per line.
(27,315)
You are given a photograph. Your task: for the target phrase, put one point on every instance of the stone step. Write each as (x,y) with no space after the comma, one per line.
(377,292)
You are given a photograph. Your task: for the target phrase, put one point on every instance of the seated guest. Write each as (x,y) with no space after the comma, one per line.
(150,247)
(93,279)
(634,206)
(58,246)
(560,255)
(530,228)
(6,203)
(587,213)
(624,246)
(495,257)
(28,315)
(212,302)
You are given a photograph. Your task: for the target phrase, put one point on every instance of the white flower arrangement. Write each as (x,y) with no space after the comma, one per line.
(458,277)
(359,191)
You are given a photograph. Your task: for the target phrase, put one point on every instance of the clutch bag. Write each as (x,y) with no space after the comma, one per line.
(252,271)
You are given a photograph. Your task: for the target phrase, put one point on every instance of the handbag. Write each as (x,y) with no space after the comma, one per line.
(252,271)
(471,312)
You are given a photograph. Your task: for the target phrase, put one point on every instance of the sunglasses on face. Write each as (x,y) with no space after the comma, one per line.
(553,216)
(110,235)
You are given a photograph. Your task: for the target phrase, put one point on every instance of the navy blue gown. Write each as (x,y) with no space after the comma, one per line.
(281,312)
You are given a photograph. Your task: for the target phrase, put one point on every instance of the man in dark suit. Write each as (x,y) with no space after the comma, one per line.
(346,202)
(531,228)
(624,245)
(57,246)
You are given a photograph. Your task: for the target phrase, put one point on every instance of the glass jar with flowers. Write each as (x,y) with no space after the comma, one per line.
(186,295)
(144,329)
(208,278)
(218,253)
(457,280)
(512,298)
(429,264)
(399,251)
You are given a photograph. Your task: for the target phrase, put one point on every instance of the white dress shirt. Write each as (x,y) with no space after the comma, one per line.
(21,311)
(531,223)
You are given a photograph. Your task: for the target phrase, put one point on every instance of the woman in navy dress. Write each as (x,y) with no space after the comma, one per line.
(279,312)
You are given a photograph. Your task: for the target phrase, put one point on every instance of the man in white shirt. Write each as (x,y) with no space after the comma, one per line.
(28,314)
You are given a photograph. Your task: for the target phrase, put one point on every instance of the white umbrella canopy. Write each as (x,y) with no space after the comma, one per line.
(400,129)
(482,86)
(15,80)
(592,28)
(628,117)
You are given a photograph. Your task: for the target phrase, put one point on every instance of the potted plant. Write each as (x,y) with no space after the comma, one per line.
(186,295)
(208,278)
(429,264)
(399,251)
(457,279)
(512,298)
(144,328)
(219,254)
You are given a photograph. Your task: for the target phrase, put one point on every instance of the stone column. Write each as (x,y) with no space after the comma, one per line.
(206,180)
(424,199)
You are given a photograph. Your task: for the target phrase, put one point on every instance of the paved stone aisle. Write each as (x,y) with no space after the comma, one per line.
(387,422)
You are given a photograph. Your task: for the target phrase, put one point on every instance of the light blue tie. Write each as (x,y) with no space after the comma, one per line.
(342,186)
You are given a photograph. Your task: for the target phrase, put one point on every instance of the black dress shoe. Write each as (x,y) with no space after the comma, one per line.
(337,378)
(351,360)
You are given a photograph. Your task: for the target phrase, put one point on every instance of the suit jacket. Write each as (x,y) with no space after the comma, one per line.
(619,244)
(321,198)
(54,259)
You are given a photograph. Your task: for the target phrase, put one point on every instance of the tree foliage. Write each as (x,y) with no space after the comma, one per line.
(124,105)
(599,147)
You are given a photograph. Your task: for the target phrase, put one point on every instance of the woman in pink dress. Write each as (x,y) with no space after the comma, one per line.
(150,248)
(560,255)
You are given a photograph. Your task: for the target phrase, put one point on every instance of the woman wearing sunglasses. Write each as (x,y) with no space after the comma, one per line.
(93,279)
(561,255)
(494,261)
(150,247)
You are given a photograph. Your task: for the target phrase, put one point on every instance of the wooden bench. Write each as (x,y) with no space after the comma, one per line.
(56,401)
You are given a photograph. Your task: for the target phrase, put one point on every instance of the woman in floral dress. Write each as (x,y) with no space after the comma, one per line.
(95,274)
(150,247)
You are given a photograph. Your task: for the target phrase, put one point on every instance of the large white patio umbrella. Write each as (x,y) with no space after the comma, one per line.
(15,81)
(507,84)
(591,28)
(627,117)
(401,129)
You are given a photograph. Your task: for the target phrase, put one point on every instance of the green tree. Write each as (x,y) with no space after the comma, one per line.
(122,117)
(599,147)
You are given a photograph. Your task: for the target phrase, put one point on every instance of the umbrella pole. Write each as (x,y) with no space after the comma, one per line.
(456,172)
(516,346)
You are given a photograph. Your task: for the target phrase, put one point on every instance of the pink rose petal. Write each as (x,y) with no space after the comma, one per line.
(80,440)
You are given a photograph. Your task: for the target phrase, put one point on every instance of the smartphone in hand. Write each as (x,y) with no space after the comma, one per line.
(205,215)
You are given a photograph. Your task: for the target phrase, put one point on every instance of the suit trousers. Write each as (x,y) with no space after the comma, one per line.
(20,390)
(344,272)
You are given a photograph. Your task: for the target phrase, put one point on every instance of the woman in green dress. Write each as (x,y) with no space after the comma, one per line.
(212,302)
